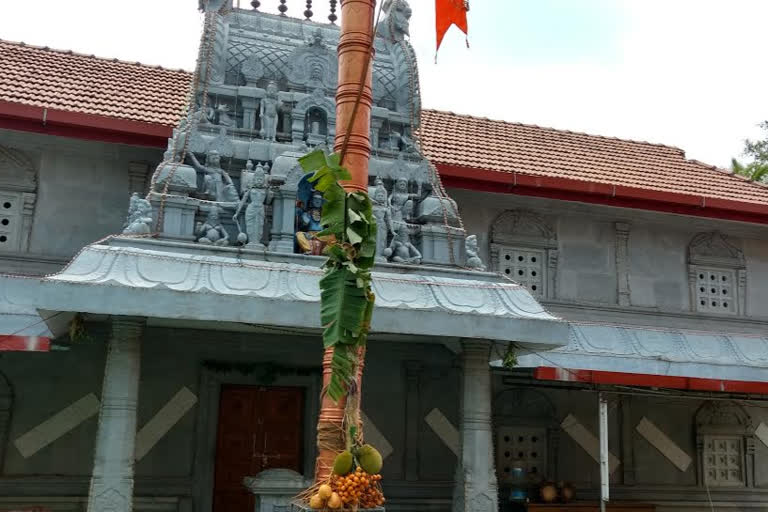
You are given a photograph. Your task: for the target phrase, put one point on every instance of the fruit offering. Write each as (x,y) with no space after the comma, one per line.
(358,488)
(325,498)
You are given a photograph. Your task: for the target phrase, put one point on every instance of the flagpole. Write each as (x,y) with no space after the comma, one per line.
(354,98)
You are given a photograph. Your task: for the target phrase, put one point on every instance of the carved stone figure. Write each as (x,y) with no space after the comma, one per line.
(401,250)
(246,177)
(211,231)
(383,216)
(210,5)
(309,224)
(268,110)
(217,183)
(257,197)
(139,217)
(473,259)
(398,19)
(401,201)
(224,118)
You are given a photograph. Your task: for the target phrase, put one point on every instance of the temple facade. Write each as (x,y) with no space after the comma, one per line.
(159,300)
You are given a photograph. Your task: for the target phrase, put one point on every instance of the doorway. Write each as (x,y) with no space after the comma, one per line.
(258,428)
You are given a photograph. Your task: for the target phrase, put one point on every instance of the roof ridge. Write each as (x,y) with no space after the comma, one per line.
(22,44)
(559,130)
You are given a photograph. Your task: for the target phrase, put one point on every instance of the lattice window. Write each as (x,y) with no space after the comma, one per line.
(10,220)
(715,290)
(723,461)
(524,248)
(717,274)
(526,267)
(521,447)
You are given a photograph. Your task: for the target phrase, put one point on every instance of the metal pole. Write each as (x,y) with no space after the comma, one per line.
(604,469)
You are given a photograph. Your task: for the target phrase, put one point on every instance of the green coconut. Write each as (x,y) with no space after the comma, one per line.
(343,463)
(370,459)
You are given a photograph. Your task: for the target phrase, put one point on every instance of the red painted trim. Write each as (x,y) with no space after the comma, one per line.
(16,116)
(565,189)
(25,344)
(650,381)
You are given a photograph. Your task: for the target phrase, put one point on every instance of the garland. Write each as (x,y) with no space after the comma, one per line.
(267,373)
(346,299)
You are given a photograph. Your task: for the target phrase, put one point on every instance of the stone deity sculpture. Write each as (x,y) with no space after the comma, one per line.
(308,221)
(383,216)
(401,201)
(246,177)
(217,183)
(401,250)
(269,108)
(257,197)
(211,231)
(473,259)
(224,118)
(139,217)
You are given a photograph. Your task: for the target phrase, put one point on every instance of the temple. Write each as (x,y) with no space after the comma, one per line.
(538,292)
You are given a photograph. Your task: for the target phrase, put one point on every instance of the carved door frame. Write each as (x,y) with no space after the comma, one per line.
(204,465)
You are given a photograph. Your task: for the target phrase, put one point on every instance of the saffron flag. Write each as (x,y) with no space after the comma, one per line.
(450,12)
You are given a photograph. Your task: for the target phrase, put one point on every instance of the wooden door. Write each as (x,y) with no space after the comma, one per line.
(259,428)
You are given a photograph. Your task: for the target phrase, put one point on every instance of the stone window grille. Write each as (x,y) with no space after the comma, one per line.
(18,186)
(526,435)
(524,248)
(725,446)
(716,275)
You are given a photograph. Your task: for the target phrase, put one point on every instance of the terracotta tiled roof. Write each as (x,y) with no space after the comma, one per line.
(82,84)
(478,143)
(85,84)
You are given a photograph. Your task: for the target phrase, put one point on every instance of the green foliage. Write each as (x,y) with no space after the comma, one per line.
(510,358)
(757,170)
(346,299)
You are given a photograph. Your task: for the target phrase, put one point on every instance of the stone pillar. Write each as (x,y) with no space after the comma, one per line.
(476,489)
(622,263)
(112,480)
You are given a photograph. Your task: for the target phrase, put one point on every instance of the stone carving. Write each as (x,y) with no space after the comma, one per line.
(257,197)
(383,216)
(401,201)
(397,23)
(714,247)
(403,83)
(246,177)
(719,415)
(223,117)
(315,107)
(268,111)
(473,259)
(222,144)
(313,65)
(211,231)
(216,184)
(139,219)
(521,224)
(211,5)
(401,250)
(18,172)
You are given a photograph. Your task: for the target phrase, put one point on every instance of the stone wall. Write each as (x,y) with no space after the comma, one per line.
(179,466)
(588,268)
(644,473)
(82,195)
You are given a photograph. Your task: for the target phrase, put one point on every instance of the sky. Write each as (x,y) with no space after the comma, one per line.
(686,73)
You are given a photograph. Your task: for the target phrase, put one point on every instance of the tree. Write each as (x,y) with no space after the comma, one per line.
(757,170)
